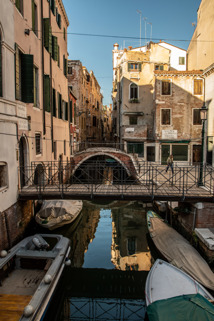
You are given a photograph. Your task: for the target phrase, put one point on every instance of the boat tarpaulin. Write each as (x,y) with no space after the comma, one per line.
(179,252)
(181,308)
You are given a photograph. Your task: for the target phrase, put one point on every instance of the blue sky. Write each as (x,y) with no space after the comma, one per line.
(171,20)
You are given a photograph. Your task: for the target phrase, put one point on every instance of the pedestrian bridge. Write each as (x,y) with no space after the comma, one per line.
(112,174)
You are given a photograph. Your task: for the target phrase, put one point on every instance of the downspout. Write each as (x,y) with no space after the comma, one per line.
(51,100)
(43,98)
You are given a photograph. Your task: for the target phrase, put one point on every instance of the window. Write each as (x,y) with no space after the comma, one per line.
(165,116)
(64,34)
(158,67)
(38,143)
(58,56)
(70,70)
(65,110)
(94,121)
(35,87)
(34,18)
(55,150)
(53,6)
(47,35)
(180,152)
(196,117)
(71,111)
(59,106)
(3,175)
(132,120)
(135,147)
(131,245)
(64,147)
(0,67)
(54,48)
(134,66)
(181,60)
(65,66)
(47,92)
(75,112)
(19,5)
(198,86)
(165,87)
(24,73)
(58,18)
(54,102)
(133,91)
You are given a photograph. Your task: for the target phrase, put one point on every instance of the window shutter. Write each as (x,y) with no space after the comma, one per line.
(65,65)
(47,93)
(0,69)
(54,102)
(129,66)
(71,111)
(59,21)
(58,56)
(47,35)
(66,111)
(139,66)
(59,106)
(17,69)
(53,6)
(55,48)
(27,78)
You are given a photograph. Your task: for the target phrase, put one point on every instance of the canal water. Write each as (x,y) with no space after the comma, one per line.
(111,256)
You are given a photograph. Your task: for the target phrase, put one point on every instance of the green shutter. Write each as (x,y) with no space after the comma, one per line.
(59,20)
(75,112)
(47,93)
(53,6)
(17,75)
(129,66)
(58,56)
(71,111)
(54,102)
(54,48)
(66,111)
(33,16)
(47,35)
(65,65)
(139,66)
(27,78)
(59,106)
(0,69)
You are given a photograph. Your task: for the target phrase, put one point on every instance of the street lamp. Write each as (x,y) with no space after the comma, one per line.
(203,116)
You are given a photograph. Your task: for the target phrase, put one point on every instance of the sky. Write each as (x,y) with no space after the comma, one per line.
(118,21)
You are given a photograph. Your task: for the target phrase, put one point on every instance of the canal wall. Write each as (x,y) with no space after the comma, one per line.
(13,223)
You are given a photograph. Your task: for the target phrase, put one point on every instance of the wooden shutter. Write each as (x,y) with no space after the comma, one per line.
(54,48)
(47,35)
(59,106)
(54,102)
(27,78)
(197,86)
(53,6)
(0,68)
(47,93)
(166,87)
(66,111)
(129,66)
(17,73)
(139,66)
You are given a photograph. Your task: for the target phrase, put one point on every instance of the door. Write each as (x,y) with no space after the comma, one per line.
(165,152)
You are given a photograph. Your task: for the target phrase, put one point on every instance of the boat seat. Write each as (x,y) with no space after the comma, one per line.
(36,254)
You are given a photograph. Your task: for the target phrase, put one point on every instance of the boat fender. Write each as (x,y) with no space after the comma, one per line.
(28,311)
(3,253)
(48,278)
(40,243)
(67,261)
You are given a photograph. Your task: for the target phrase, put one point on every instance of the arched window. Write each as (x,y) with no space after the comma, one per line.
(133,91)
(0,66)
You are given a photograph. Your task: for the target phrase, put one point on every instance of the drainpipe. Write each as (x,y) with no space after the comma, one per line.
(51,104)
(43,98)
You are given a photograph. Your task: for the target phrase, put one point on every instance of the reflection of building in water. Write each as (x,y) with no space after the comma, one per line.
(84,234)
(108,175)
(130,250)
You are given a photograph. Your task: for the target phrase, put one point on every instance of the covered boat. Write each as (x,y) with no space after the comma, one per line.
(56,213)
(29,273)
(178,251)
(172,295)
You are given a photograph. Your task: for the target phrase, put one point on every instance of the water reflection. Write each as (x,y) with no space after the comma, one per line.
(110,262)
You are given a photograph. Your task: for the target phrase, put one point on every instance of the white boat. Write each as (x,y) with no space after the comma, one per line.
(56,213)
(178,251)
(172,295)
(29,273)
(165,281)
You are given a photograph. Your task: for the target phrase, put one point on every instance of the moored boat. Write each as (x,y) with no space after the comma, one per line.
(178,251)
(56,213)
(172,295)
(29,273)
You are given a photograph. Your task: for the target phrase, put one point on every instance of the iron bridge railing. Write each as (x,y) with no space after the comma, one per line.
(109,177)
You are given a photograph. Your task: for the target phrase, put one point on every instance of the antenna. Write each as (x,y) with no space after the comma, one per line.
(140,13)
(149,23)
(144,18)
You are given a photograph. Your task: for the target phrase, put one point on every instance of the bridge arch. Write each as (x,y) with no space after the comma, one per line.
(76,166)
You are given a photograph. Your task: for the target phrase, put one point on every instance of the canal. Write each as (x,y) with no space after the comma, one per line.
(110,258)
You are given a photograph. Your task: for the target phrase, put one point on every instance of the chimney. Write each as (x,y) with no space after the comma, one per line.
(116,46)
(130,47)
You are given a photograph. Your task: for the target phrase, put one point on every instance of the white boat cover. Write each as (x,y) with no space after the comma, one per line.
(179,252)
(55,213)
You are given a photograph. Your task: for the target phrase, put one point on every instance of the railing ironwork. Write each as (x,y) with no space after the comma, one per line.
(113,179)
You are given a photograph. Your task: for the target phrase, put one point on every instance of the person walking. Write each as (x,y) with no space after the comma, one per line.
(169,163)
